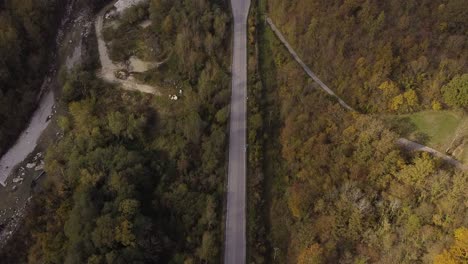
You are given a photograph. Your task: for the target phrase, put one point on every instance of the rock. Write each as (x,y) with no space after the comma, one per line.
(121,5)
(123,75)
(30,165)
(39,167)
(14,188)
(17,179)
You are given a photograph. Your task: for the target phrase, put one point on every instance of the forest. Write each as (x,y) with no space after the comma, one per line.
(27,33)
(137,178)
(383,56)
(331,186)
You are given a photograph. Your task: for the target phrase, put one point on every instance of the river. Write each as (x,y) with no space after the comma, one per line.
(28,139)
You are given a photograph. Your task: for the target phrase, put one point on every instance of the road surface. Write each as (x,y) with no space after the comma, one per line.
(235,236)
(413,146)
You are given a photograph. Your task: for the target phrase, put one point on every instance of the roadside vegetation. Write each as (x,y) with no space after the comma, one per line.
(336,188)
(256,209)
(138,178)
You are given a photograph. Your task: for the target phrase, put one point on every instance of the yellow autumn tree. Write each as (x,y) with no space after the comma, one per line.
(397,101)
(458,252)
(389,89)
(311,255)
(411,98)
(298,200)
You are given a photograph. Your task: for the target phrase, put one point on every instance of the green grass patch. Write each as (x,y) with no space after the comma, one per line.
(437,129)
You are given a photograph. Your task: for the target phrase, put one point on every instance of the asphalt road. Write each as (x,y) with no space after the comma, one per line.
(235,236)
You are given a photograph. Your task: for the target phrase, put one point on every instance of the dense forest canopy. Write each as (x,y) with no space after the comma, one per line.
(383,56)
(137,178)
(332,185)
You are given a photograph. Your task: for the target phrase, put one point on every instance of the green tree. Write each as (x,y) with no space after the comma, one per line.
(208,250)
(456,91)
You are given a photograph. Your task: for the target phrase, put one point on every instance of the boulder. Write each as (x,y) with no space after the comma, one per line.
(17,179)
(39,167)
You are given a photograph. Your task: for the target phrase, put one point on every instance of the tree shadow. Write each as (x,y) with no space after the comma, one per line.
(407,128)
(402,126)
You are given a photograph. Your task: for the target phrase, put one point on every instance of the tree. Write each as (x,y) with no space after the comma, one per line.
(208,250)
(311,255)
(117,123)
(298,200)
(124,233)
(456,91)
(458,252)
(103,234)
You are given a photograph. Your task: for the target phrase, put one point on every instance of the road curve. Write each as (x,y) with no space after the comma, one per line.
(235,233)
(108,67)
(413,146)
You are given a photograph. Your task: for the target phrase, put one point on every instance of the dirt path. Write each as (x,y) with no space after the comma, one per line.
(108,67)
(304,66)
(413,146)
(403,142)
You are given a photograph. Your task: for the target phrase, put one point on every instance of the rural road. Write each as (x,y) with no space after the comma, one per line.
(304,66)
(413,146)
(235,236)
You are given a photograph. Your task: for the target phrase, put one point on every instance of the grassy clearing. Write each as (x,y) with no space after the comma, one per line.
(442,130)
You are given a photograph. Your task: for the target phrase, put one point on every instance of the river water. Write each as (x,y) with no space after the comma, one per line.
(28,139)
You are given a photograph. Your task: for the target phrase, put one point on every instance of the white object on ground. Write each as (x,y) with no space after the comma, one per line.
(31,165)
(17,179)
(146,23)
(121,5)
